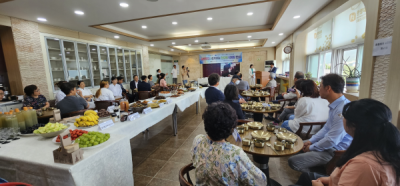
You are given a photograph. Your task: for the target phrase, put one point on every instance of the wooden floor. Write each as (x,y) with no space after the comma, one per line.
(158,156)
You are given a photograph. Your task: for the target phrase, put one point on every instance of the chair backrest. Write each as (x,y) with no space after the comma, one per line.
(103,104)
(277,88)
(72,114)
(311,124)
(144,95)
(52,103)
(271,93)
(185,170)
(330,166)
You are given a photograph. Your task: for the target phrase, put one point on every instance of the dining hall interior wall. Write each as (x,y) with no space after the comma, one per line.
(256,56)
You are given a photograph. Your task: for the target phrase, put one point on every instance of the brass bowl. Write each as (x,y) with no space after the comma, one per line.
(289,145)
(240,130)
(50,108)
(270,127)
(261,135)
(267,108)
(258,108)
(287,136)
(279,146)
(255,125)
(258,104)
(281,129)
(246,141)
(244,106)
(246,127)
(259,143)
(250,102)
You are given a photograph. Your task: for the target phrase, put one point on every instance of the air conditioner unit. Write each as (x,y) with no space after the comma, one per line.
(205,46)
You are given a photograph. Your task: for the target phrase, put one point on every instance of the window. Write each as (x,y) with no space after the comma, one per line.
(285,66)
(312,65)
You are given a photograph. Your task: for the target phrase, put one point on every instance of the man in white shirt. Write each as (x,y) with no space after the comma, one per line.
(115,87)
(60,94)
(174,73)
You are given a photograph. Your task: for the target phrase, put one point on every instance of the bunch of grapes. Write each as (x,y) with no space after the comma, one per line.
(92,139)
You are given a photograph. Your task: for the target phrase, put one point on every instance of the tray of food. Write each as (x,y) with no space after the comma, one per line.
(160,97)
(175,96)
(51,130)
(92,140)
(74,134)
(138,107)
(153,105)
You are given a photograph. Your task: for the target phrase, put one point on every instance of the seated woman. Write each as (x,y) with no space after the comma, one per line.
(373,158)
(310,108)
(104,94)
(231,93)
(33,98)
(86,93)
(218,162)
(162,81)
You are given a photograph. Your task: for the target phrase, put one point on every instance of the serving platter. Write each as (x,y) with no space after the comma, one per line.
(288,136)
(255,125)
(261,135)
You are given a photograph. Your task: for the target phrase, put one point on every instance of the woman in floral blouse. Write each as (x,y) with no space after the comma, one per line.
(218,162)
(33,98)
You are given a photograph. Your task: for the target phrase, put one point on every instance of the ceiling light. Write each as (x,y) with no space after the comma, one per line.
(273,42)
(281,34)
(172,49)
(93,49)
(124,5)
(221,39)
(173,43)
(79,12)
(116,37)
(189,44)
(196,41)
(144,26)
(248,36)
(174,23)
(56,39)
(250,13)
(151,44)
(210,18)
(296,17)
(41,19)
(119,47)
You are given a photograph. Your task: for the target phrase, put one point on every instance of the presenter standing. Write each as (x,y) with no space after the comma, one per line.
(252,75)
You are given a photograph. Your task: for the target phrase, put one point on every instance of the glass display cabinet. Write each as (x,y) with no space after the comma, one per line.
(128,70)
(139,63)
(104,64)
(94,58)
(84,64)
(113,62)
(133,63)
(121,66)
(55,57)
(70,61)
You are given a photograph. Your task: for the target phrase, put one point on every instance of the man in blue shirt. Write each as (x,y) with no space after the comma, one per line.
(319,150)
(213,94)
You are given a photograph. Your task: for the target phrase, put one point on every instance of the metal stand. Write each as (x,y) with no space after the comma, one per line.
(197,107)
(263,161)
(175,121)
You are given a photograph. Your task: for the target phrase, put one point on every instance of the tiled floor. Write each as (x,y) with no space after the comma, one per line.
(158,156)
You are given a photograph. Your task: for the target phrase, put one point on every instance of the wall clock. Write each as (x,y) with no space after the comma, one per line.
(287,49)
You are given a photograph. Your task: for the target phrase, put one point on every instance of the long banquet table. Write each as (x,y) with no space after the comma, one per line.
(30,159)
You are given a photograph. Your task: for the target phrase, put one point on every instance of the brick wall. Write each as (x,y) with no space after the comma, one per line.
(29,53)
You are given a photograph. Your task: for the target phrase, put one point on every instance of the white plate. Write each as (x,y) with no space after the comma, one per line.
(55,138)
(31,134)
(93,147)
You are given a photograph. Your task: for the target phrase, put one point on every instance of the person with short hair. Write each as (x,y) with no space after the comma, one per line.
(60,94)
(291,94)
(174,73)
(319,150)
(71,103)
(219,162)
(213,94)
(232,93)
(104,94)
(134,83)
(86,93)
(252,75)
(143,85)
(33,98)
(373,158)
(272,81)
(150,77)
(310,108)
(272,69)
(120,81)
(115,88)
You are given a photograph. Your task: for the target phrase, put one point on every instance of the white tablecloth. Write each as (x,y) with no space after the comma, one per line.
(30,159)
(223,81)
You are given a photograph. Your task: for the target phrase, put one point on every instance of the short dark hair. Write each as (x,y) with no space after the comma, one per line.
(237,71)
(251,65)
(335,81)
(241,75)
(309,88)
(183,66)
(1,88)
(119,78)
(144,78)
(29,90)
(299,75)
(219,120)
(134,76)
(67,88)
(149,76)
(113,78)
(174,65)
(158,70)
(79,83)
(213,79)
(272,64)
(231,92)
(60,83)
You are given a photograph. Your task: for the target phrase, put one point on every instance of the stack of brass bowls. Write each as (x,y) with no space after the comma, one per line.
(288,144)
(287,136)
(250,102)
(261,135)
(255,125)
(246,141)
(275,106)
(271,127)
(244,106)
(279,146)
(240,129)
(259,143)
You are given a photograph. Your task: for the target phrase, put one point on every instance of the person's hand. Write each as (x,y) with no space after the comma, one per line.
(307,143)
(324,180)
(317,183)
(306,148)
(297,93)
(241,100)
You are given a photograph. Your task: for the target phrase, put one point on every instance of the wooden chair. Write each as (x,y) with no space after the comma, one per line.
(271,93)
(52,103)
(72,114)
(185,170)
(144,95)
(104,104)
(311,124)
(330,166)
(277,88)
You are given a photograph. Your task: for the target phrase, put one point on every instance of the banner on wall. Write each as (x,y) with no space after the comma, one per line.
(221,58)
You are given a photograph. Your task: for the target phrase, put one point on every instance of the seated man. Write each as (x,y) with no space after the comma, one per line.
(213,94)
(290,94)
(272,81)
(319,150)
(115,87)
(242,85)
(71,103)
(143,85)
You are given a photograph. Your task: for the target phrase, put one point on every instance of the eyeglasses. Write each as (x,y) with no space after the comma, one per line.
(341,116)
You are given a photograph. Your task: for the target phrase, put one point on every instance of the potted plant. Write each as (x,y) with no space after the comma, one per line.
(308,75)
(352,75)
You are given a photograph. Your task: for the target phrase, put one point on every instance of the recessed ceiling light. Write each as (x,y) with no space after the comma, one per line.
(56,39)
(210,18)
(174,23)
(221,39)
(41,19)
(124,5)
(144,26)
(296,17)
(173,43)
(79,12)
(281,34)
(189,44)
(248,36)
(116,37)
(273,42)
(151,44)
(196,41)
(250,13)
(172,49)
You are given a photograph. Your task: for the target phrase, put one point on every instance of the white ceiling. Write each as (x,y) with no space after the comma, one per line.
(61,13)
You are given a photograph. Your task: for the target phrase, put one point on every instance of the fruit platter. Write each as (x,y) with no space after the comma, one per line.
(90,118)
(92,139)
(51,130)
(29,130)
(74,135)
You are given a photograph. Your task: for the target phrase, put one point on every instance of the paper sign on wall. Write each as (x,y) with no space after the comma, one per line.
(382,46)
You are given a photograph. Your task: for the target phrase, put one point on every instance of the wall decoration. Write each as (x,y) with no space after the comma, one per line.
(221,58)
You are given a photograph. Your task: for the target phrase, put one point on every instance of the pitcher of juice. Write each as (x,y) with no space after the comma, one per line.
(27,117)
(33,115)
(126,105)
(2,120)
(122,104)
(21,120)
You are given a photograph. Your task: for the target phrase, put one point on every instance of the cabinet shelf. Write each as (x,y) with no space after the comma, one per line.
(54,49)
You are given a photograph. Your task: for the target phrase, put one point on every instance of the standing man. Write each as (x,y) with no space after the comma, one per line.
(115,88)
(319,150)
(273,69)
(184,74)
(174,73)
